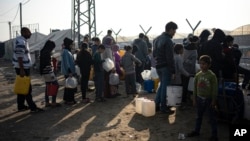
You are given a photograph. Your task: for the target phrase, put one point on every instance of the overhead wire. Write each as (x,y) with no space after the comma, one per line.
(18,7)
(16,14)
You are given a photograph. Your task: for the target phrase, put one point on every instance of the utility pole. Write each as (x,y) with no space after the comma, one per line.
(83,18)
(21,21)
(10,29)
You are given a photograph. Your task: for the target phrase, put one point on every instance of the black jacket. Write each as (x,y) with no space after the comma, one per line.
(84,61)
(163,52)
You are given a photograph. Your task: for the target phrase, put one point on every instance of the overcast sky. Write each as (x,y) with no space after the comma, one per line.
(128,15)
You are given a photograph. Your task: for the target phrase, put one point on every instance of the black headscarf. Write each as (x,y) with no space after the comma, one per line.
(45,54)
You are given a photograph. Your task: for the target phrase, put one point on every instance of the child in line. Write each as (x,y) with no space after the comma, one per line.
(99,73)
(46,70)
(179,69)
(205,94)
(128,63)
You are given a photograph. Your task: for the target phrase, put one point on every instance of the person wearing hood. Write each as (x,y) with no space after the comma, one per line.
(213,48)
(203,39)
(46,70)
(68,69)
(189,63)
(84,61)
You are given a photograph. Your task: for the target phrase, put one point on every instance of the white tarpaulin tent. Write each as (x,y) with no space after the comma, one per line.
(57,37)
(8,45)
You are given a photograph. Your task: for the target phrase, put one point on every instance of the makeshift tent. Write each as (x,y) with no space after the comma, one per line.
(58,38)
(8,45)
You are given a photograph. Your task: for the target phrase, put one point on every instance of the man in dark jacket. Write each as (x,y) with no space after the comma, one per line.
(84,61)
(165,65)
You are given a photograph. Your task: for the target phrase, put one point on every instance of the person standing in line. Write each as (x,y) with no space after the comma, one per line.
(128,63)
(203,38)
(95,45)
(229,68)
(22,64)
(99,73)
(109,35)
(46,69)
(165,64)
(189,64)
(214,49)
(84,61)
(108,53)
(141,54)
(205,96)
(179,69)
(68,70)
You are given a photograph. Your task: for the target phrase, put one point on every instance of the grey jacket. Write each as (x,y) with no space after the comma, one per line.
(190,58)
(179,69)
(142,51)
(128,62)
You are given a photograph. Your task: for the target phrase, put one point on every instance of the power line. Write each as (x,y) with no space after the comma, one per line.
(4,13)
(16,14)
(26,2)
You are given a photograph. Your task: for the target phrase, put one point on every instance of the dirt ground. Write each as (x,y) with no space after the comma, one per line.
(113,120)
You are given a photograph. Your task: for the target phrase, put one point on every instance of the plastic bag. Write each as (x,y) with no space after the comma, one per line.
(22,85)
(52,89)
(71,82)
(108,64)
(113,79)
(154,74)
(146,74)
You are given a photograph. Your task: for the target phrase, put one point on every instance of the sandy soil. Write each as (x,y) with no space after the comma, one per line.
(113,120)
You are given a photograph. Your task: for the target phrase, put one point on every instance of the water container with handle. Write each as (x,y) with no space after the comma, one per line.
(148,108)
(108,64)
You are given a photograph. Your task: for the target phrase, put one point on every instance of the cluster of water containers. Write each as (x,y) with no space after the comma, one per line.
(145,106)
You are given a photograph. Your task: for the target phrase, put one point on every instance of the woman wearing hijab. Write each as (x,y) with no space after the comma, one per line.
(68,70)
(46,70)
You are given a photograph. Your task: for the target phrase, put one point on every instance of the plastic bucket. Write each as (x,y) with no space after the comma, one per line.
(149,86)
(174,95)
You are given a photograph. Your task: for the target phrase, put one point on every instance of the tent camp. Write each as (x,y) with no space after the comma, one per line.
(8,45)
(37,41)
(57,37)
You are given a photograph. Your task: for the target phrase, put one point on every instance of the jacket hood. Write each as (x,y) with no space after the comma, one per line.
(219,35)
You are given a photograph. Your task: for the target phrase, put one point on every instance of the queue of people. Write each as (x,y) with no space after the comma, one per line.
(174,63)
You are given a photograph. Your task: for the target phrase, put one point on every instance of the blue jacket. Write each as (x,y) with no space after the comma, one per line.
(67,64)
(163,52)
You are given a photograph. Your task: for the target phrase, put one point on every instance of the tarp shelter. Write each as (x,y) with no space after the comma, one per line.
(8,45)
(57,37)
